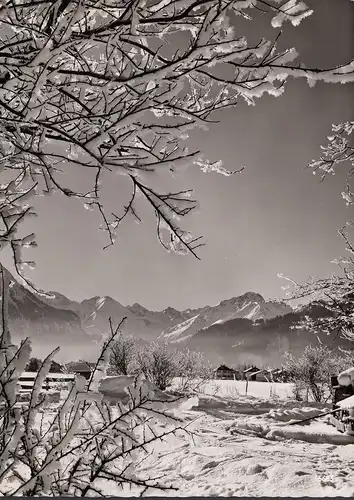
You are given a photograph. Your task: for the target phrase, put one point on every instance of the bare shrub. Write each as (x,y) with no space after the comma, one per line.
(183,371)
(313,369)
(299,391)
(123,356)
(158,363)
(192,370)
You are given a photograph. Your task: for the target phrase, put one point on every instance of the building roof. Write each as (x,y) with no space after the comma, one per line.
(259,371)
(79,366)
(253,369)
(224,367)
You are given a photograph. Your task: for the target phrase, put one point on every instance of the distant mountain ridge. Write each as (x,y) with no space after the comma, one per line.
(240,329)
(251,306)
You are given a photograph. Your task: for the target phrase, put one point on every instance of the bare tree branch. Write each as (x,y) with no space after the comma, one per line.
(96,85)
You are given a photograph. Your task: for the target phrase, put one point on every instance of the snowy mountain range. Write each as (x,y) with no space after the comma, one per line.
(240,329)
(251,306)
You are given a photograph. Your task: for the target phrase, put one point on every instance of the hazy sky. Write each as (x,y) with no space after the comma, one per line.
(273,218)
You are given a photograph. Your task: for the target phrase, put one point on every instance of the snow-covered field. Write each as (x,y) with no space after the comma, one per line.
(223,464)
(236,454)
(244,446)
(236,388)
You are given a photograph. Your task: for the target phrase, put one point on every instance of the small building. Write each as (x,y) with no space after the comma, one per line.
(281,375)
(225,373)
(276,375)
(82,368)
(263,376)
(253,373)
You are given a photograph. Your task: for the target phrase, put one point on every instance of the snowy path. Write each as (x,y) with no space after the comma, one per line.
(219,463)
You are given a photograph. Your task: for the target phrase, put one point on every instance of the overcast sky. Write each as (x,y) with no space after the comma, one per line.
(272,218)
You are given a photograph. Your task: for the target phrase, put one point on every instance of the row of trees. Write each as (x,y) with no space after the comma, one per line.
(34,365)
(310,372)
(159,363)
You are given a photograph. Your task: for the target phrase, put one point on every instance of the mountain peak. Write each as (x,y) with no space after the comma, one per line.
(99,299)
(137,308)
(246,297)
(250,306)
(169,310)
(256,297)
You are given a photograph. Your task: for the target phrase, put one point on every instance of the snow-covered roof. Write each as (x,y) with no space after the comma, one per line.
(79,366)
(346,403)
(224,367)
(259,371)
(253,368)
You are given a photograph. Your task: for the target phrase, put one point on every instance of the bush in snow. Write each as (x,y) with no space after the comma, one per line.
(313,369)
(81,445)
(123,356)
(192,370)
(165,366)
(56,367)
(158,363)
(299,390)
(33,365)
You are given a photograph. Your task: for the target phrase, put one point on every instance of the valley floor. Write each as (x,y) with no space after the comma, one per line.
(234,454)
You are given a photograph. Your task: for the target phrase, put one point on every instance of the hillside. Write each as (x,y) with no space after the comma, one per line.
(262,342)
(47,326)
(250,306)
(244,329)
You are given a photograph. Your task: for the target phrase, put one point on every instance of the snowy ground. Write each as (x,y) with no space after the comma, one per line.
(244,446)
(234,388)
(233,454)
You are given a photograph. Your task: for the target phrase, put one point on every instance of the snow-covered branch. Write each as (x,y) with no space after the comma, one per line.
(96,85)
(80,444)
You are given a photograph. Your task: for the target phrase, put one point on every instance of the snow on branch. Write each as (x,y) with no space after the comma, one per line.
(80,444)
(96,85)
(339,150)
(333,296)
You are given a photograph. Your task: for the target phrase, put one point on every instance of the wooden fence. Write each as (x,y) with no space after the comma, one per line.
(26,381)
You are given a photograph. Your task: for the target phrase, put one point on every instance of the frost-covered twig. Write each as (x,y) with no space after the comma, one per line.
(95,85)
(334,295)
(82,443)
